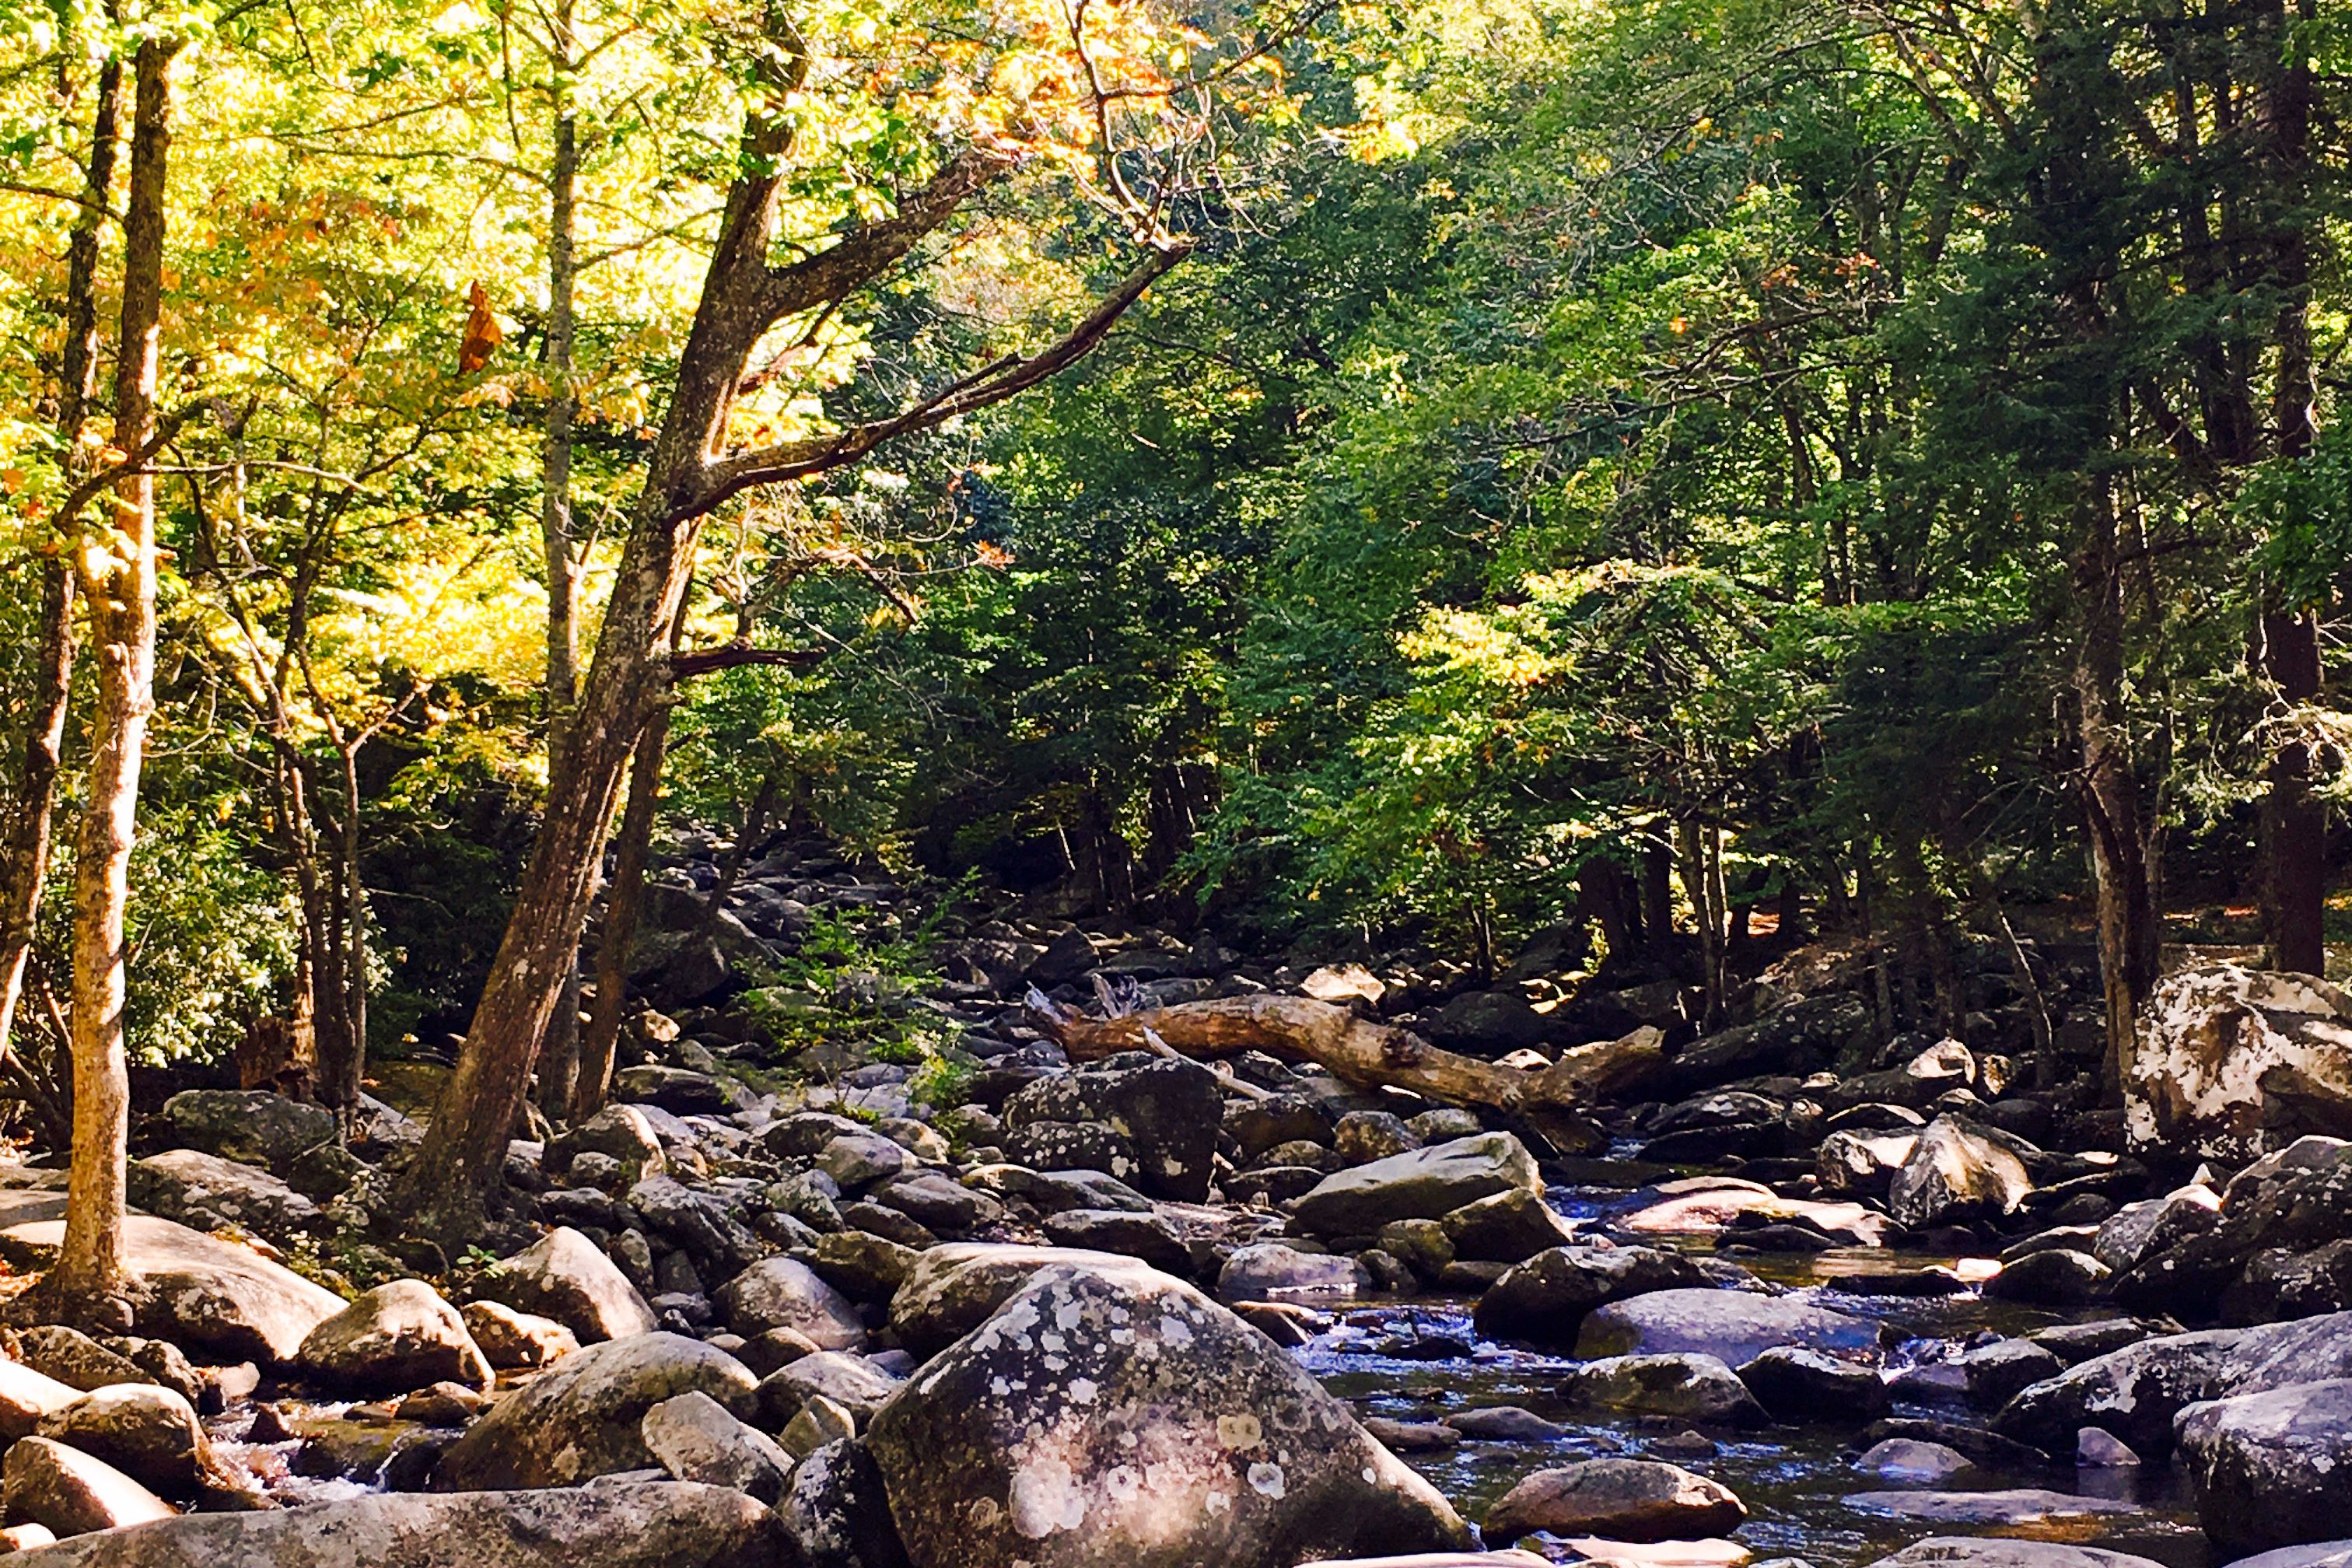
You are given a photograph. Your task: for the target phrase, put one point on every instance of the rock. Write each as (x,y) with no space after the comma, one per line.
(1270,1271)
(861,1265)
(836,1512)
(1508,1558)
(645,1524)
(2234,1063)
(440,1404)
(1257,1125)
(251,1126)
(1794,1385)
(2095,1450)
(27,1397)
(1140,1235)
(854,1382)
(622,1134)
(857,1160)
(510,1339)
(1625,1500)
(1909,1459)
(1732,1326)
(1854,1162)
(25,1536)
(1957,1172)
(1121,1419)
(2156,1225)
(149,1433)
(396,1337)
(695,1439)
(2074,1343)
(71,1492)
(1685,1387)
(209,1193)
(2053,1277)
(953,1288)
(1425,1183)
(2001,1552)
(939,1205)
(1067,958)
(699,1221)
(2134,1393)
(566,1277)
(1544,1299)
(581,1419)
(1410,1437)
(820,1422)
(1509,1227)
(2315,1555)
(72,1358)
(1050,1192)
(781,1293)
(2272,1468)
(1363,1136)
(1996,1372)
(1343,982)
(1489,1024)
(1505,1423)
(1166,1112)
(678,1090)
(2015,1506)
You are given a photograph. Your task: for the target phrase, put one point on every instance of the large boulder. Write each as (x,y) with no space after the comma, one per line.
(1168,1112)
(654,1524)
(1685,1387)
(2134,1393)
(780,1293)
(213,1298)
(1544,1299)
(582,1418)
(26,1395)
(1620,1500)
(2003,1551)
(1732,1326)
(2235,1062)
(952,1290)
(1422,1183)
(251,1126)
(209,1192)
(836,1513)
(566,1277)
(398,1336)
(694,1438)
(2272,1468)
(44,1483)
(149,1434)
(1121,1419)
(1957,1172)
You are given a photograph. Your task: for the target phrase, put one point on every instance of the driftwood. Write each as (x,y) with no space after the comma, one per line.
(1549,1102)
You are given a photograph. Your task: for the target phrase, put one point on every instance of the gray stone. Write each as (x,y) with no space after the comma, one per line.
(1734,1326)
(1619,1499)
(836,1511)
(854,1382)
(396,1337)
(252,1126)
(656,1524)
(582,1416)
(1119,1419)
(694,1438)
(70,1492)
(1999,1551)
(953,1288)
(1544,1299)
(2234,1063)
(510,1339)
(2272,1468)
(1697,1388)
(1796,1384)
(1509,1227)
(781,1293)
(149,1433)
(1957,1172)
(1270,1271)
(209,1192)
(564,1276)
(1426,1183)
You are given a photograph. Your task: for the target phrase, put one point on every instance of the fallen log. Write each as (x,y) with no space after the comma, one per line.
(1371,1056)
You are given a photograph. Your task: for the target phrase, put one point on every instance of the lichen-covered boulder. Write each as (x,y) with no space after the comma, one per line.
(582,1418)
(1168,1113)
(952,1290)
(2272,1468)
(1121,1419)
(2233,1062)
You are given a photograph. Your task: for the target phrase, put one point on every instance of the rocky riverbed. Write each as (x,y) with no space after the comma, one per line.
(1801,1290)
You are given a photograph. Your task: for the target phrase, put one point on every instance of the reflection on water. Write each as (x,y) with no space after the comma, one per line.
(1791,1478)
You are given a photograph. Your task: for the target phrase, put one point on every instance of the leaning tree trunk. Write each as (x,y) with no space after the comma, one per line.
(601,1040)
(120,589)
(26,863)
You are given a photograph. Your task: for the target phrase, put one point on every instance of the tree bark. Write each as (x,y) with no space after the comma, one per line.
(121,592)
(2123,849)
(602,1039)
(560,1052)
(449,1184)
(26,863)
(1371,1056)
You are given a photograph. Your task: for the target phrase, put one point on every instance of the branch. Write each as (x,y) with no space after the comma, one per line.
(993,382)
(688,663)
(870,249)
(166,430)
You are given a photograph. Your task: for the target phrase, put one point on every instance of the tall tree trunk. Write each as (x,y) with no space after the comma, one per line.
(754,828)
(559,1053)
(603,1036)
(2294,820)
(342,1048)
(121,592)
(26,850)
(2123,847)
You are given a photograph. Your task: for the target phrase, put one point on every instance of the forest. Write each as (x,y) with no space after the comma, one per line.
(704,706)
